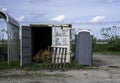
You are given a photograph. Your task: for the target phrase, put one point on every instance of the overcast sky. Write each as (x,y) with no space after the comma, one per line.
(64,11)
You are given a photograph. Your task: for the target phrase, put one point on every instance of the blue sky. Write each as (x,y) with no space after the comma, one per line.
(76,12)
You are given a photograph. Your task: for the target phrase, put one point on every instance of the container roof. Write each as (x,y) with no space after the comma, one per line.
(50,25)
(8,18)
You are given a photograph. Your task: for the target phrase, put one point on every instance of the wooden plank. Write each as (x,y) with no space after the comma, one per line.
(64,63)
(58,58)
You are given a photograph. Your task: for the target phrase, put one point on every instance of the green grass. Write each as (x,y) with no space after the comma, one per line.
(38,66)
(42,66)
(107,53)
(4,65)
(35,67)
(74,65)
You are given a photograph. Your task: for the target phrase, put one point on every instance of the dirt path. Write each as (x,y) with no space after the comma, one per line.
(106,60)
(107,71)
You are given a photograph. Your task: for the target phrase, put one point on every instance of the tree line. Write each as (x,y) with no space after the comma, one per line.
(112,36)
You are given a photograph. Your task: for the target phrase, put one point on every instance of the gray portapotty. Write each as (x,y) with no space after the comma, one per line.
(83,47)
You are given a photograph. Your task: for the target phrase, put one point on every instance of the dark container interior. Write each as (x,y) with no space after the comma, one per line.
(41,38)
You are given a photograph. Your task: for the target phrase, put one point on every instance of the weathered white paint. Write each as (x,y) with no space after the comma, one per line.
(61,37)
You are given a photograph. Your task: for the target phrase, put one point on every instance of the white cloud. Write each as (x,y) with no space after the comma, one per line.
(20,19)
(98,19)
(59,18)
(3,8)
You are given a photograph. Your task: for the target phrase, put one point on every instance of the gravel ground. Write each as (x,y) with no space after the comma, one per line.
(106,70)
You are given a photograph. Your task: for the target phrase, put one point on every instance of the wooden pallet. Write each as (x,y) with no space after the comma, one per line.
(58,58)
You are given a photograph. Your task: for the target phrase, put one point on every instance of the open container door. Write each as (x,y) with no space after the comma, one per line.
(25,46)
(61,38)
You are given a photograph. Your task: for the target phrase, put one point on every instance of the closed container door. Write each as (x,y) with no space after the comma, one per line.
(26,45)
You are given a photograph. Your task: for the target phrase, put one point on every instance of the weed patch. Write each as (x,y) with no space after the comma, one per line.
(4,65)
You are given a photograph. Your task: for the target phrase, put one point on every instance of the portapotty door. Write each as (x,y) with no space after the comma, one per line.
(25,46)
(83,49)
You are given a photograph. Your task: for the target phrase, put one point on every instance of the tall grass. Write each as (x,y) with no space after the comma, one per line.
(4,65)
(108,53)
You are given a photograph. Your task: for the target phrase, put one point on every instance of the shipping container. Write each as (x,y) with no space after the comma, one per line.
(25,42)
(39,37)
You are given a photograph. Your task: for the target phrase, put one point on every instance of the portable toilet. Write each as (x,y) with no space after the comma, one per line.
(83,47)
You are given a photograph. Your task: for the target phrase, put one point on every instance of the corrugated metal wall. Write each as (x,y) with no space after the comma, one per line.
(13,37)
(26,46)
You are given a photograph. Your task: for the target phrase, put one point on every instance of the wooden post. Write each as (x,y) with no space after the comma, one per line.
(58,57)
(64,61)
